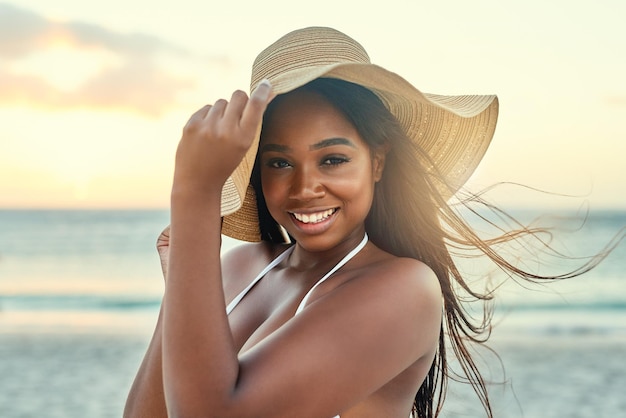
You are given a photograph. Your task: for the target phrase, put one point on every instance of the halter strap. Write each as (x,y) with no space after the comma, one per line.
(270,266)
(281,258)
(339,265)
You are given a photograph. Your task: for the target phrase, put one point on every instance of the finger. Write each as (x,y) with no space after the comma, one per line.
(198,115)
(165,234)
(253,112)
(217,110)
(235,108)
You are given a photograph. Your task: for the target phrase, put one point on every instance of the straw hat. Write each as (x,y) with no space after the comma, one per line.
(454,130)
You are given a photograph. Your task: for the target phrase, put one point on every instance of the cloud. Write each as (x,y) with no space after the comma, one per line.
(136,79)
(146,91)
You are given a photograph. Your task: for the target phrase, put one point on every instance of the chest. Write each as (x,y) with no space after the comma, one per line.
(269,304)
(278,293)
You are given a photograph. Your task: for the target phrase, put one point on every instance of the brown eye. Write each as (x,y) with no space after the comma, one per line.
(277,163)
(335,160)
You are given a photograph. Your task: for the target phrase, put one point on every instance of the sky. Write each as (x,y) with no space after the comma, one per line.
(93,95)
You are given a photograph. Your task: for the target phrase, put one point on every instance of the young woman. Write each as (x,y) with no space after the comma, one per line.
(347,305)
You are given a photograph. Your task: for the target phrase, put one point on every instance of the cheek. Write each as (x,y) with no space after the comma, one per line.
(356,185)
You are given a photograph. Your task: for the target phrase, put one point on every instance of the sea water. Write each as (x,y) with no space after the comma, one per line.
(56,264)
(65,270)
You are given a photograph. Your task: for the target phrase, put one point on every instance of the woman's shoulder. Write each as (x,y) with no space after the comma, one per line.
(399,298)
(402,272)
(402,280)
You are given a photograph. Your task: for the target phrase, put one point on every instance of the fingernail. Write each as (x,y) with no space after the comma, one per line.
(263,89)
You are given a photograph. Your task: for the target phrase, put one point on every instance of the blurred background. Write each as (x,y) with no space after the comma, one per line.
(93,97)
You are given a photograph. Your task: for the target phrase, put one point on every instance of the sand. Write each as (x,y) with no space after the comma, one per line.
(72,375)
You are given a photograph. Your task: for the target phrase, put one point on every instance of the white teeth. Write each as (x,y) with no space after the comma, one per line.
(311,218)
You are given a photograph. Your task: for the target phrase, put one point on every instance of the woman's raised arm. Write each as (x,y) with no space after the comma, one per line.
(200,366)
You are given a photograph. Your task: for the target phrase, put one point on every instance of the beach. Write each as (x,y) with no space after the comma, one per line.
(80,293)
(566,376)
(68,375)
(65,375)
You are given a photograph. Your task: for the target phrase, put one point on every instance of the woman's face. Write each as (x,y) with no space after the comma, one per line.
(317,173)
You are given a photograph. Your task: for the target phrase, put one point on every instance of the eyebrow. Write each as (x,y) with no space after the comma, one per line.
(332,141)
(319,145)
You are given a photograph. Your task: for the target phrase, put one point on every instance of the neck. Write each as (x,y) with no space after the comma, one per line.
(304,259)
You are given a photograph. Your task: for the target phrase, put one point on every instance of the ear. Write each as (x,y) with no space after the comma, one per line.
(378,161)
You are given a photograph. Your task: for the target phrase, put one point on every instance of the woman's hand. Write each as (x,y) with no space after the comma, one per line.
(163,248)
(215,140)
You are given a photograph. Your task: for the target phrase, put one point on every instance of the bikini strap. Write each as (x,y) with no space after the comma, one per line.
(340,264)
(270,266)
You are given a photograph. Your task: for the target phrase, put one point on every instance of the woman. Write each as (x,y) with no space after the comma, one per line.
(346,305)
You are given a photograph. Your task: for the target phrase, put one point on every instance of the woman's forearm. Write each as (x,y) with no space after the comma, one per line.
(146,399)
(200,364)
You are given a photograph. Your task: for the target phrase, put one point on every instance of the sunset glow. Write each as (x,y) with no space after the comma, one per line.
(93,99)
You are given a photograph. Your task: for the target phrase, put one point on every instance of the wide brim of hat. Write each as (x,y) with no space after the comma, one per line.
(455,131)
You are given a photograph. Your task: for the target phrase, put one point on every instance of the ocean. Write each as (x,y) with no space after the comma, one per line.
(80,291)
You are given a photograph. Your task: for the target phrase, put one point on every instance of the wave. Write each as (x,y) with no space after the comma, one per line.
(66,302)
(124,302)
(595,305)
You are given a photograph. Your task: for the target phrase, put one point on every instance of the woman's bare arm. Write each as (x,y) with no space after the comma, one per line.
(200,365)
(146,398)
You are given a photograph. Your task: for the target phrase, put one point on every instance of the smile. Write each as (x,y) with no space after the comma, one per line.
(312,218)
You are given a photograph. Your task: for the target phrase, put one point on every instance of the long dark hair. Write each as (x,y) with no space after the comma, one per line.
(409,217)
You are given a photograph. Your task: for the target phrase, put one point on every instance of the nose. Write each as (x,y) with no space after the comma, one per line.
(306,185)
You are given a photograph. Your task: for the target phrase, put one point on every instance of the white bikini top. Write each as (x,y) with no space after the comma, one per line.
(282,257)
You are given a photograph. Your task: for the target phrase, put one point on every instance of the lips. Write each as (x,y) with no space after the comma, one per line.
(314,217)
